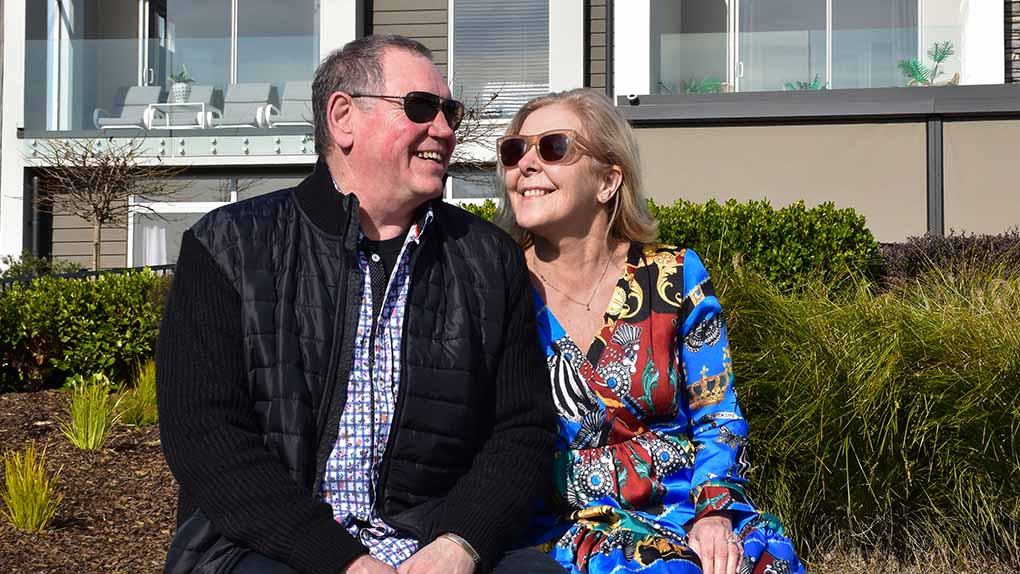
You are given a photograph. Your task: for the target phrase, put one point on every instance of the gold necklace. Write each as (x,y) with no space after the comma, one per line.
(586,305)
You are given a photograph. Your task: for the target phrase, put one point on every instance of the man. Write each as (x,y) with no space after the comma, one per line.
(348,376)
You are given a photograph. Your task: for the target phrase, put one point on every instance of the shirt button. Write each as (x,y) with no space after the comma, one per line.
(375,257)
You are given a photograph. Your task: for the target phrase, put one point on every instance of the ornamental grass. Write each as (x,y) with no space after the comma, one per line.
(138,401)
(30,495)
(887,421)
(92,414)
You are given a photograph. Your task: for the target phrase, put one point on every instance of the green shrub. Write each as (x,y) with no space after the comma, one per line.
(29,265)
(486,210)
(789,246)
(886,420)
(53,326)
(30,495)
(138,402)
(91,414)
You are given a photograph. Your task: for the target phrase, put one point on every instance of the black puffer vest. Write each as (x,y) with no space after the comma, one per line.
(292,257)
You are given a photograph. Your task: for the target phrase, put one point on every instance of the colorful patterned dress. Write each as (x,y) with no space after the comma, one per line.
(650,433)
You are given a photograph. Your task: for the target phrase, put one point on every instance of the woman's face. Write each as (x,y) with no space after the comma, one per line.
(553,200)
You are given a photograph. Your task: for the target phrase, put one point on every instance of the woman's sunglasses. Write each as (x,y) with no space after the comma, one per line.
(556,146)
(422,107)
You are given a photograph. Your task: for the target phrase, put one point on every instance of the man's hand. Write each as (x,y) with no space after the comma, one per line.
(442,556)
(713,540)
(366,564)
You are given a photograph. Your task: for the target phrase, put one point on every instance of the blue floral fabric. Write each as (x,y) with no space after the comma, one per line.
(651,437)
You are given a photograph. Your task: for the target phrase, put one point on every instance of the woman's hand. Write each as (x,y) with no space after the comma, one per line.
(713,540)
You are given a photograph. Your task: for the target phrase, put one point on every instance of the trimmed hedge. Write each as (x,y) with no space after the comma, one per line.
(789,246)
(55,327)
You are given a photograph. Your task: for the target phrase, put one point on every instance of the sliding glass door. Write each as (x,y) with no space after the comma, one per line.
(707,46)
(85,60)
(781,43)
(869,38)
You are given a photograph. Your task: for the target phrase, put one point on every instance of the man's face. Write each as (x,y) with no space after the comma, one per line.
(405,160)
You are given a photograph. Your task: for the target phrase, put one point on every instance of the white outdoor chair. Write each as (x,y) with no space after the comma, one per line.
(132,111)
(243,106)
(295,107)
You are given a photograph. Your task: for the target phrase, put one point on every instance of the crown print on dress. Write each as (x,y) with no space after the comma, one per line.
(710,390)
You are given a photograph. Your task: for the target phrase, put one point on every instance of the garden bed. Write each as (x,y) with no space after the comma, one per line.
(118,509)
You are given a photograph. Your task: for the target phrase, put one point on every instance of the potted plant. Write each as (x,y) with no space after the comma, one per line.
(815,84)
(920,75)
(180,85)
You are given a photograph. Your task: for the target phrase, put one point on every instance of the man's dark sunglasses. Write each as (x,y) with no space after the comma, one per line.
(422,107)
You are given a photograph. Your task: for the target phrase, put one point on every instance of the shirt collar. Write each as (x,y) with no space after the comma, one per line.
(414,234)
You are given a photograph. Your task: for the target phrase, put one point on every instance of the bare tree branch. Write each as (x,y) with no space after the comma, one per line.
(95,178)
(475,154)
(243,185)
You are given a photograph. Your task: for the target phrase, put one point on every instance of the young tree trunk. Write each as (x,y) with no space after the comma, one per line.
(97,235)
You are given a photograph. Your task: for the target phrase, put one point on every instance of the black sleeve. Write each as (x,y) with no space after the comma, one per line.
(493,503)
(209,433)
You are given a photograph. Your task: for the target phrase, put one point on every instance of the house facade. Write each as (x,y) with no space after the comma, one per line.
(776,99)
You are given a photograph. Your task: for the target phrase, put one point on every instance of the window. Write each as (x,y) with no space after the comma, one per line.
(869,38)
(276,41)
(157,236)
(711,46)
(502,48)
(92,64)
(77,56)
(155,228)
(780,42)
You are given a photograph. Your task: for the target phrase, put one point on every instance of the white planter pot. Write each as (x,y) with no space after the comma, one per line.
(180,92)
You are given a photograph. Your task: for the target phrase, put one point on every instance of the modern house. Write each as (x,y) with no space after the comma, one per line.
(777,99)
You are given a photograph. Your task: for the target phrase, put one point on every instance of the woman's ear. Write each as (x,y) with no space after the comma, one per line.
(609,186)
(340,119)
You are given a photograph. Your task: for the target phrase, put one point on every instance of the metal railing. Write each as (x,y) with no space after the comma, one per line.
(160,270)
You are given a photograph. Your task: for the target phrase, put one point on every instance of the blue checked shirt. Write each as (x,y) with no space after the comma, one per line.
(352,470)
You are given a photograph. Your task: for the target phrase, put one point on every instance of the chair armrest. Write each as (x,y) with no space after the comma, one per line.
(212,115)
(265,115)
(95,116)
(148,116)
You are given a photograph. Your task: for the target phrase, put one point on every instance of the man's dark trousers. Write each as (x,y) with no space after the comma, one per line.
(524,561)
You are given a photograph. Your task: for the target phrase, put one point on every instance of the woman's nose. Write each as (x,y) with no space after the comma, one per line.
(530,163)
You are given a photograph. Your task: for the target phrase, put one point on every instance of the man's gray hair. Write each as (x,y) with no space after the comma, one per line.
(355,68)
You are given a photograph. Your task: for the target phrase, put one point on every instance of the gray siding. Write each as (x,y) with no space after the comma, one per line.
(72,241)
(596,41)
(1012,40)
(422,20)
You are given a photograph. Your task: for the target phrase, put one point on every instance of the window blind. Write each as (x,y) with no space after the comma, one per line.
(500,47)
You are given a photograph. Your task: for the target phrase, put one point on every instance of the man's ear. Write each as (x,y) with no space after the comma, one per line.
(612,178)
(340,119)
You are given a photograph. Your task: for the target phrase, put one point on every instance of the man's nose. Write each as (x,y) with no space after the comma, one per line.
(439,127)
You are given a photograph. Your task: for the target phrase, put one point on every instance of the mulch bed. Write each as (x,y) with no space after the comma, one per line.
(119,503)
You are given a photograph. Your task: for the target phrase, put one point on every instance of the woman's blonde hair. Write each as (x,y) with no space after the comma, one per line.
(612,142)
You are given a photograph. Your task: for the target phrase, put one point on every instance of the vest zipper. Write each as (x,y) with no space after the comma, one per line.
(332,381)
(398,409)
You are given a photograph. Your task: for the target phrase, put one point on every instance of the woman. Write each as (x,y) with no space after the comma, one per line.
(651,457)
